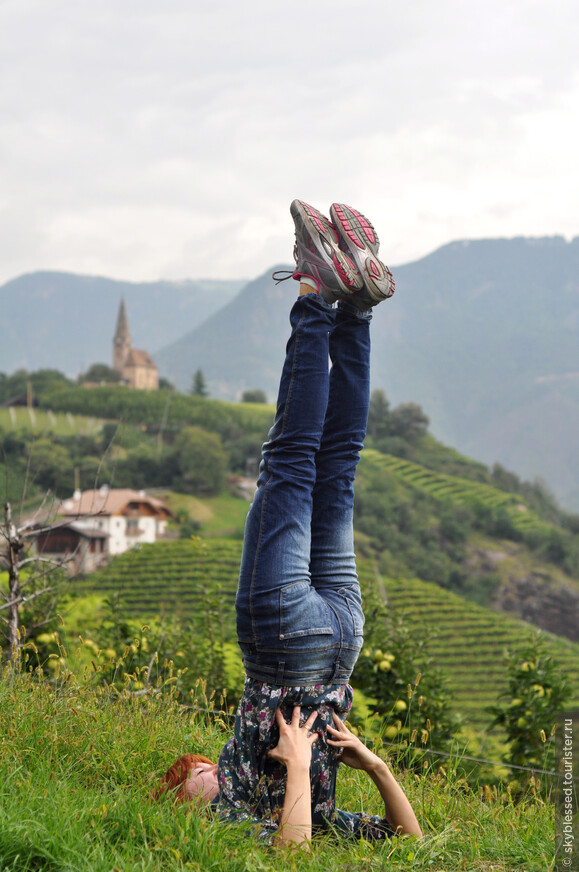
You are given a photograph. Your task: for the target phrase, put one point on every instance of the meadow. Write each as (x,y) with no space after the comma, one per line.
(77,766)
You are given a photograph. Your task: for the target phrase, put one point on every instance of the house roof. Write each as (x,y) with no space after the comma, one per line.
(113,501)
(136,357)
(83,532)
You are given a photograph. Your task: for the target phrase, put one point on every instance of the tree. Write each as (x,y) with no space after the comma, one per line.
(52,465)
(202,460)
(528,711)
(409,421)
(378,415)
(33,585)
(199,386)
(406,689)
(254,396)
(32,384)
(100,372)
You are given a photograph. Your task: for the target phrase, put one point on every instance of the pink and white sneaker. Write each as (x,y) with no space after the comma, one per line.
(319,257)
(360,242)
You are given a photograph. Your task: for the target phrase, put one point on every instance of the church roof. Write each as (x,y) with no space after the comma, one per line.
(122,330)
(136,357)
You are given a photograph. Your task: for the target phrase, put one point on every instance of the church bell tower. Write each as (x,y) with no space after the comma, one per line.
(121,340)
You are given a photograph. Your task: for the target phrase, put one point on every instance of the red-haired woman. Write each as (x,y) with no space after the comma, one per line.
(299,609)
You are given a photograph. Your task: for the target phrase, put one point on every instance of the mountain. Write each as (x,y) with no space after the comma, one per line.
(483,334)
(64,321)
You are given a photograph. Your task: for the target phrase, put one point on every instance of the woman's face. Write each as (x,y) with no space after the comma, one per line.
(202,782)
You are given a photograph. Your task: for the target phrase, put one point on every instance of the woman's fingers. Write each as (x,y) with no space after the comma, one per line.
(294,724)
(295,741)
(311,720)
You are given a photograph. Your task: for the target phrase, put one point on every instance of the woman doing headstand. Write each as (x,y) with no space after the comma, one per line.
(299,609)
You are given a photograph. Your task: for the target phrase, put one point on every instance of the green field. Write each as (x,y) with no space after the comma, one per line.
(221,515)
(77,766)
(45,421)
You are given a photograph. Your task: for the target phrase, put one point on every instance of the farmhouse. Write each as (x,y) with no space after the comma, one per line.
(82,549)
(125,517)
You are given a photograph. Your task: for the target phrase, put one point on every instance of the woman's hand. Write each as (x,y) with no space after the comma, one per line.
(295,745)
(397,809)
(354,752)
(294,749)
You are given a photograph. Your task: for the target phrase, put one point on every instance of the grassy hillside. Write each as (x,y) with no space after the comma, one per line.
(77,767)
(455,489)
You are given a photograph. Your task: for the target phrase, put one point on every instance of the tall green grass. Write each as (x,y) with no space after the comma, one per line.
(77,766)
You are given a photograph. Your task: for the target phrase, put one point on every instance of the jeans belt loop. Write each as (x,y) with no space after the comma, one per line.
(334,678)
(280,672)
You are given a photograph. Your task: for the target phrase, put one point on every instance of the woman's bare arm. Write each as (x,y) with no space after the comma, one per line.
(397,809)
(294,750)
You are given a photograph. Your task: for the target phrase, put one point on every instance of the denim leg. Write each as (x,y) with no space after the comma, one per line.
(332,560)
(275,602)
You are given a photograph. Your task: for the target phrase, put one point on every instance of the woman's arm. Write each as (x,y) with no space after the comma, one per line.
(294,750)
(397,809)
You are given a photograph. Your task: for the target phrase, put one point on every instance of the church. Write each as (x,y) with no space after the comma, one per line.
(137,368)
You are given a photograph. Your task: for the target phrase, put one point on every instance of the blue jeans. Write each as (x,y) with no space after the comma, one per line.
(299,609)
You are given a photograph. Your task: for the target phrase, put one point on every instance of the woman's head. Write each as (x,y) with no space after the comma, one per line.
(191,776)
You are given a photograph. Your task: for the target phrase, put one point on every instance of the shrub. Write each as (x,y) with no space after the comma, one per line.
(528,710)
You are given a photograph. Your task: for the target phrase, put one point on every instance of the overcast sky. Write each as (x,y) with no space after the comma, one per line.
(145,139)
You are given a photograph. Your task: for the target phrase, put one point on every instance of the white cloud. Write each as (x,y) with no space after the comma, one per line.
(143,141)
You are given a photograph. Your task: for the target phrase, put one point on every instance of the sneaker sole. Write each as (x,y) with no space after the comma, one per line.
(327,244)
(361,240)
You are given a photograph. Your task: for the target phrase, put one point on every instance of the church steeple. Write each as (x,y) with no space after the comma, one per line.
(121,340)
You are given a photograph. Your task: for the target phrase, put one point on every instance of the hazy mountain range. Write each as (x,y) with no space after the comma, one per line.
(483,334)
(64,321)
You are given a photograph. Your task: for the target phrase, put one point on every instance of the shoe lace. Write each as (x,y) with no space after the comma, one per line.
(282,275)
(285,274)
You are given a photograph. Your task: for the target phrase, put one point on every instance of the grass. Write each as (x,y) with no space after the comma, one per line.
(77,766)
(223,514)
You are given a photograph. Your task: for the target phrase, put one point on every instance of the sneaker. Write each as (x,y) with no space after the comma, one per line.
(319,257)
(360,241)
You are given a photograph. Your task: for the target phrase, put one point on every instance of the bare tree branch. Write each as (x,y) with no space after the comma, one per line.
(56,563)
(25,599)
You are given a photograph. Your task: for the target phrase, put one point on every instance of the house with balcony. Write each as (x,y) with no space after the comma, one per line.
(123,517)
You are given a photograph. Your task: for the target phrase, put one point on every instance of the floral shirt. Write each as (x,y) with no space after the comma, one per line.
(252,785)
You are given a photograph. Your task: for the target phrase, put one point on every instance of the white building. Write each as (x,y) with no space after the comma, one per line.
(126,517)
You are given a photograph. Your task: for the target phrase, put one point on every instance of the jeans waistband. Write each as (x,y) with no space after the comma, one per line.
(285,674)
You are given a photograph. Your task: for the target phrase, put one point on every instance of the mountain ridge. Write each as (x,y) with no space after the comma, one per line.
(482,333)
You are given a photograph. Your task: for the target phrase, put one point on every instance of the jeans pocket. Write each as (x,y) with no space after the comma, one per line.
(353,600)
(302,612)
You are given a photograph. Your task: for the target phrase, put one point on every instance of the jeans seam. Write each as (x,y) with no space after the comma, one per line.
(266,485)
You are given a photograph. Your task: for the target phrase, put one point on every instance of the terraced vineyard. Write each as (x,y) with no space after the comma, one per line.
(458,490)
(170,577)
(469,640)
